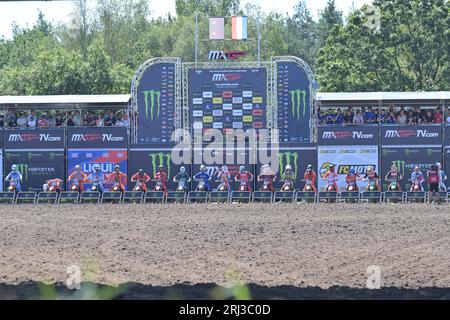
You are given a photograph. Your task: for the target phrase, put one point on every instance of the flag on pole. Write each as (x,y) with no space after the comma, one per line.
(239,28)
(216,28)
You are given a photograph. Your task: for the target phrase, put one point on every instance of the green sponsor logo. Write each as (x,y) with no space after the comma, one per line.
(152,101)
(23,169)
(161,159)
(297,97)
(288,158)
(401,165)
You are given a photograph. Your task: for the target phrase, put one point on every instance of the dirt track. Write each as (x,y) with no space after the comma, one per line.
(266,245)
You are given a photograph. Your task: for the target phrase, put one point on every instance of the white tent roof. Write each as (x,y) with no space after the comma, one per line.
(68,99)
(383,96)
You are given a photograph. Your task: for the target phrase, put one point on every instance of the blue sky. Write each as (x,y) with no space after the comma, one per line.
(25,13)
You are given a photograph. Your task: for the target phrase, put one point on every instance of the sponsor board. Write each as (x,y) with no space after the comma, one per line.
(226,55)
(348,136)
(34,139)
(408,135)
(345,158)
(114,137)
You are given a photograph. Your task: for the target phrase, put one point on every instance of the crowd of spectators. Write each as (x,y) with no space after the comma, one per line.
(393,115)
(56,119)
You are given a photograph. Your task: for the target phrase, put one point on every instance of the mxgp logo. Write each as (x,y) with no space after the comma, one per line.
(336,135)
(26,137)
(223,77)
(79,137)
(410,133)
(229,55)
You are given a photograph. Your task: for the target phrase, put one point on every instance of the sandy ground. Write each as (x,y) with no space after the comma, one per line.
(261,245)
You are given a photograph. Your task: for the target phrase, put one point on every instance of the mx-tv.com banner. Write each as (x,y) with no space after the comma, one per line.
(345,158)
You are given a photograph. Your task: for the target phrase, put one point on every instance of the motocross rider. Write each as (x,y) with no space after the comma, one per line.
(352,177)
(203,176)
(310,177)
(417,175)
(182,177)
(393,174)
(371,176)
(442,178)
(141,178)
(268,175)
(244,175)
(78,175)
(97,176)
(224,177)
(288,177)
(118,177)
(14,175)
(331,176)
(161,176)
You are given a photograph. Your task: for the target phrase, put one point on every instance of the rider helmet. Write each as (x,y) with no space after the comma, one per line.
(310,167)
(141,172)
(97,167)
(288,168)
(116,167)
(161,168)
(369,169)
(394,167)
(241,169)
(352,171)
(224,168)
(14,167)
(202,168)
(438,165)
(416,168)
(77,167)
(182,169)
(331,167)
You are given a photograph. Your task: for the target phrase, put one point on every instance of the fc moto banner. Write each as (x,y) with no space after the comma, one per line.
(107,159)
(348,136)
(150,159)
(408,135)
(299,157)
(36,167)
(407,158)
(345,158)
(95,138)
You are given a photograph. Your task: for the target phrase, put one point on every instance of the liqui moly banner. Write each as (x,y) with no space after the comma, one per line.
(95,138)
(348,136)
(34,139)
(411,135)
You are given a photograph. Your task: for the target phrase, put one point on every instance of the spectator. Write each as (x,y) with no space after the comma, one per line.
(126,120)
(330,119)
(59,121)
(10,119)
(448,115)
(382,118)
(76,119)
(348,117)
(402,118)
(358,119)
(43,121)
(32,123)
(370,116)
(100,122)
(22,120)
(2,121)
(70,122)
(32,115)
(437,116)
(428,117)
(391,119)
(339,118)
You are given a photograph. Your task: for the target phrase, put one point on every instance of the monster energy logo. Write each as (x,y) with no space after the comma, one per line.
(23,169)
(296,100)
(400,166)
(152,99)
(288,158)
(161,159)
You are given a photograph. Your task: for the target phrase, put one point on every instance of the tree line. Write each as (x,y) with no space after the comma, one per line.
(391,45)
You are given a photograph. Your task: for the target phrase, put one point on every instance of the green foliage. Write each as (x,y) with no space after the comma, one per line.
(106,41)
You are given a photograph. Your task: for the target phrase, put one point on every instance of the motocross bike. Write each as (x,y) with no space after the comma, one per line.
(139,187)
(74,186)
(96,186)
(55,187)
(288,186)
(12,185)
(393,187)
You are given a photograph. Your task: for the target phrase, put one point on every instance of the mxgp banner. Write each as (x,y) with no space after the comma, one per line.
(406,158)
(34,139)
(215,158)
(294,103)
(107,159)
(411,135)
(36,167)
(149,159)
(298,156)
(156,103)
(348,136)
(345,158)
(94,138)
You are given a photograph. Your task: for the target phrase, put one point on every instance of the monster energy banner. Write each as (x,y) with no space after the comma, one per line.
(94,138)
(345,158)
(298,156)
(36,167)
(406,158)
(215,158)
(150,159)
(348,136)
(294,103)
(156,103)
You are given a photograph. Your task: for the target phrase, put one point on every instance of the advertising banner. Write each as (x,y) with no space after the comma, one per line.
(1,169)
(409,135)
(150,159)
(348,136)
(107,159)
(299,157)
(446,165)
(294,103)
(233,159)
(345,158)
(95,138)
(447,136)
(36,167)
(406,158)
(34,139)
(156,103)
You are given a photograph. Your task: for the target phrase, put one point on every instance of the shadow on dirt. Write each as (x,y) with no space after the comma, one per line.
(89,290)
